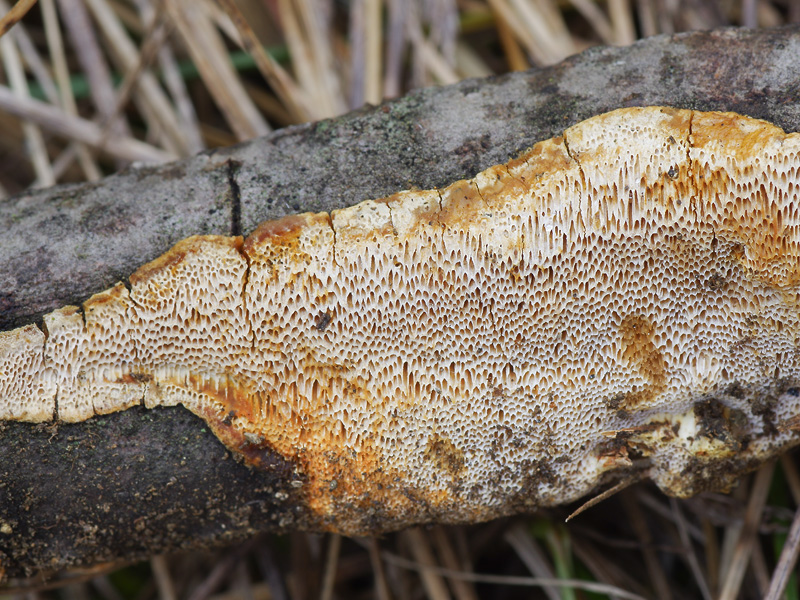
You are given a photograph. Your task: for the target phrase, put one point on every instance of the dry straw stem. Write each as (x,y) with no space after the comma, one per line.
(66,99)
(330,568)
(372,29)
(161,574)
(533,557)
(280,81)
(60,123)
(153,38)
(208,52)
(19,85)
(605,567)
(33,60)
(689,552)
(365,52)
(430,59)
(787,562)
(502,580)
(733,572)
(15,14)
(656,575)
(462,590)
(159,109)
(381,583)
(312,58)
(434,583)
(89,55)
(395,42)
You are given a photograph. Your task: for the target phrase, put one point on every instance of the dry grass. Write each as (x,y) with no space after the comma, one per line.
(88,86)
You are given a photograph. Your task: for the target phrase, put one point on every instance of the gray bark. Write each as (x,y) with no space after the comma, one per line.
(135,483)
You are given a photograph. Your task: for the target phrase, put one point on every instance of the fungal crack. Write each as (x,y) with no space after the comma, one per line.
(46,367)
(235,196)
(580,170)
(478,189)
(439,196)
(514,177)
(55,401)
(689,143)
(245,310)
(438,220)
(333,230)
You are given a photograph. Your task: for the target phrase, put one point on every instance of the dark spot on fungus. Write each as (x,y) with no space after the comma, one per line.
(322,320)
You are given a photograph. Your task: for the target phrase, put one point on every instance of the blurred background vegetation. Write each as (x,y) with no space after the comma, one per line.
(88,86)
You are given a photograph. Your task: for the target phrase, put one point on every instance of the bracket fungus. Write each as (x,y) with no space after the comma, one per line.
(620,300)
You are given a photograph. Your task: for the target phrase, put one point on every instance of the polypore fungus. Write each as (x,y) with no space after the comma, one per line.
(619,300)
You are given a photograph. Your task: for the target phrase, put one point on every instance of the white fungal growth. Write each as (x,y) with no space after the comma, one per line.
(623,298)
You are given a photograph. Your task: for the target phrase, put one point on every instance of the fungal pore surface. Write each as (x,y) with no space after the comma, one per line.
(618,301)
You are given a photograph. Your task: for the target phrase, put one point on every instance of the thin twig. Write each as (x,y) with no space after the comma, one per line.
(270,571)
(791,547)
(786,563)
(91,60)
(153,39)
(622,22)
(515,57)
(34,62)
(395,43)
(358,53)
(318,40)
(594,14)
(603,567)
(603,496)
(430,59)
(174,82)
(221,571)
(372,22)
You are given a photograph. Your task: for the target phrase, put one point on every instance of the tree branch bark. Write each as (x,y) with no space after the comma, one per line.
(134,483)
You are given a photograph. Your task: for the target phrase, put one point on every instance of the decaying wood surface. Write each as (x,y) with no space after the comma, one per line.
(127,473)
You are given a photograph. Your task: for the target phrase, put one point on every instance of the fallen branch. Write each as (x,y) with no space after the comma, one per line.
(138,482)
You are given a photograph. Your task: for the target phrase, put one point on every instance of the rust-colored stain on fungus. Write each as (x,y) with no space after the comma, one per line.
(624,291)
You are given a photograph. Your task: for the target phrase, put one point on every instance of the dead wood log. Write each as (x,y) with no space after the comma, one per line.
(138,482)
